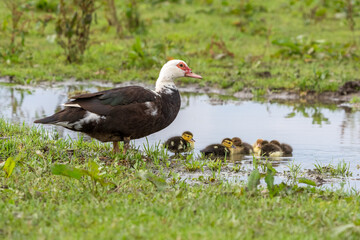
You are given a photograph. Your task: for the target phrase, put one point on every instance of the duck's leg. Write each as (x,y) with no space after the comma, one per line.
(116,147)
(126,144)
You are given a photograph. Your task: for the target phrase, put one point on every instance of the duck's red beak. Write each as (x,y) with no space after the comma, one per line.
(189,73)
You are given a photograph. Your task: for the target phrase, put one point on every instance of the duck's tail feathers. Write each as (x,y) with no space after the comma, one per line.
(48,120)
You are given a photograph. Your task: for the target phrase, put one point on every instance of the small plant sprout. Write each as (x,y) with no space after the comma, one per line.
(195,165)
(294,171)
(355,99)
(236,168)
(73,27)
(215,165)
(156,152)
(342,169)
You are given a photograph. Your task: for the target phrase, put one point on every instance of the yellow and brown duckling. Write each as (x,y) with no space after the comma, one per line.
(241,147)
(286,148)
(180,144)
(267,149)
(257,146)
(219,150)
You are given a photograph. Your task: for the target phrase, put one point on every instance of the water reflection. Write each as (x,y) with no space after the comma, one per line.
(313,111)
(317,132)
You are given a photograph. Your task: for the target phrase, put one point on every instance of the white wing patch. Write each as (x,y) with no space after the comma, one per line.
(64,124)
(157,94)
(72,105)
(152,109)
(78,125)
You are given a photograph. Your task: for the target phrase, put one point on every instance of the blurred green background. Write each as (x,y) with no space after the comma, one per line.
(278,45)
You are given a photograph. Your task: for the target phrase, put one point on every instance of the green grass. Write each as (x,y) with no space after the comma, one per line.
(342,169)
(267,41)
(36,204)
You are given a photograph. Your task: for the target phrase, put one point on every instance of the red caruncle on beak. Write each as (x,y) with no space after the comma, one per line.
(189,73)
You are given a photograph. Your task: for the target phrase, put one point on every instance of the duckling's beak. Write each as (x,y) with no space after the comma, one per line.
(192,140)
(233,146)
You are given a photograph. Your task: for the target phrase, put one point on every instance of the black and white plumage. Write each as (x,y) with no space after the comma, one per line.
(125,113)
(180,144)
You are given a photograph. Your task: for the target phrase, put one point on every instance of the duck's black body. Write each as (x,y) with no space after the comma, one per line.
(216,150)
(120,113)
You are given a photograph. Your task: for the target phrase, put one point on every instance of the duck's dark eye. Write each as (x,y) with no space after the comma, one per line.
(181,65)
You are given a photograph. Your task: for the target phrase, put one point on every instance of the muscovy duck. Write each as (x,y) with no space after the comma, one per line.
(125,113)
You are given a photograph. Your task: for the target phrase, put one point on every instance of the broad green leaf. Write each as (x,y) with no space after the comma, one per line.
(307,181)
(253,180)
(158,182)
(9,166)
(93,169)
(68,171)
(290,115)
(270,167)
(104,182)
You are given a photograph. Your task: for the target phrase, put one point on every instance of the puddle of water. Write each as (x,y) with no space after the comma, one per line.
(318,133)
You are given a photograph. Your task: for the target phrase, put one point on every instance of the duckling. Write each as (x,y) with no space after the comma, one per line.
(219,150)
(180,144)
(286,148)
(257,146)
(241,147)
(271,149)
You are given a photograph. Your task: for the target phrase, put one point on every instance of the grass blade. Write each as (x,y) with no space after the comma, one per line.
(307,181)
(269,179)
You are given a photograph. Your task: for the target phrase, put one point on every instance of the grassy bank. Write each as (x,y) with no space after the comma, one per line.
(297,45)
(36,202)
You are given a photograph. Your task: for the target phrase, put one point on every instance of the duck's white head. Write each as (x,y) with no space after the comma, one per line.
(170,71)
